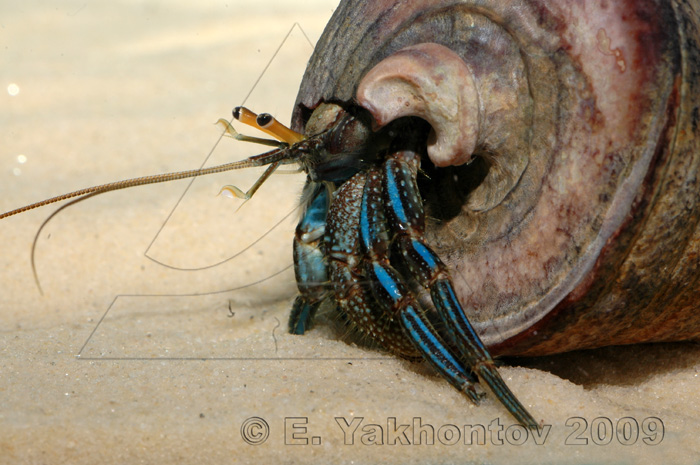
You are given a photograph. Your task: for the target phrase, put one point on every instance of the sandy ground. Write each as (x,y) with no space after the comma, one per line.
(142,351)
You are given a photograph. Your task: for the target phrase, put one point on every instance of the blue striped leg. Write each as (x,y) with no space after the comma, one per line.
(404,212)
(310,265)
(395,299)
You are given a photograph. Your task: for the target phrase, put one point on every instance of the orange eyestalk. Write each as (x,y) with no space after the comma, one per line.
(267,123)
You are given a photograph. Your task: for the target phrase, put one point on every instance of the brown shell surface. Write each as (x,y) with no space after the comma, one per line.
(596,240)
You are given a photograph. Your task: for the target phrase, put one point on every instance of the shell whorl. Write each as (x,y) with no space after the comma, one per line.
(432,82)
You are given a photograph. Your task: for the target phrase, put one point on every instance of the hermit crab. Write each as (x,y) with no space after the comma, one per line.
(491,178)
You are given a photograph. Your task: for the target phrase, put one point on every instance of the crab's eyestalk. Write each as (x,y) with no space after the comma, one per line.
(267,123)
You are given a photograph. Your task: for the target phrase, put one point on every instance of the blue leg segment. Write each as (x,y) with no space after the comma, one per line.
(310,265)
(425,338)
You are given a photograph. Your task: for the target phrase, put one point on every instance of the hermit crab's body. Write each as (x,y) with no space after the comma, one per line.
(369,246)
(360,245)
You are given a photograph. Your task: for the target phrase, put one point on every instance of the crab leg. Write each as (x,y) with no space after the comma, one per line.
(310,264)
(405,216)
(396,300)
(356,300)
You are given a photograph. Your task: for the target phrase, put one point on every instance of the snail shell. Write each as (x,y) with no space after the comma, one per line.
(564,195)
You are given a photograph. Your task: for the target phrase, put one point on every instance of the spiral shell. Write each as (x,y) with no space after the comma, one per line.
(564,195)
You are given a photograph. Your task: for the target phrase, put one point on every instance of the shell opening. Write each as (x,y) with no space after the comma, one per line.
(432,82)
(463,105)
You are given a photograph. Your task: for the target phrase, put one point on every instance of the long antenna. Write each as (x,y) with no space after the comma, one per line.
(273,156)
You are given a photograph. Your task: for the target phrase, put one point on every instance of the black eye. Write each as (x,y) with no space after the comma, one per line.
(237,113)
(264,119)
